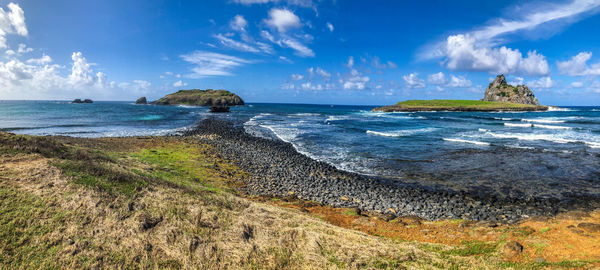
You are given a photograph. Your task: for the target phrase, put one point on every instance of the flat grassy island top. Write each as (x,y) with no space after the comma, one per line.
(457,105)
(197,97)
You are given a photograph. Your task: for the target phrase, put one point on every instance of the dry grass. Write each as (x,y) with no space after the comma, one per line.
(187,215)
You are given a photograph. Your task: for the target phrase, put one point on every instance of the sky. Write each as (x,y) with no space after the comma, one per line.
(299,51)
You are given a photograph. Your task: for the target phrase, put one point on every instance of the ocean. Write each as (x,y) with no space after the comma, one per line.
(533,154)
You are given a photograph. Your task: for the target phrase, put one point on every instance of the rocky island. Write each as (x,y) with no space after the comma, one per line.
(499,96)
(79,101)
(196,97)
(141,100)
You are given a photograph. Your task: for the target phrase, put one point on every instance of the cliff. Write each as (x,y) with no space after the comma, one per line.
(196,97)
(500,91)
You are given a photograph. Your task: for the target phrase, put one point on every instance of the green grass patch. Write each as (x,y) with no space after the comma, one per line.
(26,225)
(350,212)
(473,248)
(188,167)
(461,104)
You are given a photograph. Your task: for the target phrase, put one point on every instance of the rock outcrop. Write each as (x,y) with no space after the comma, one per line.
(141,100)
(78,100)
(501,91)
(196,97)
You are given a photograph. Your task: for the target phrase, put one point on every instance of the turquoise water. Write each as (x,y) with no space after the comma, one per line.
(554,153)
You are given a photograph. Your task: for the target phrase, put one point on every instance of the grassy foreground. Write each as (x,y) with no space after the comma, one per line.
(162,202)
(458,105)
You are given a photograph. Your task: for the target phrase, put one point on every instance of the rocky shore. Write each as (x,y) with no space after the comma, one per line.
(279,170)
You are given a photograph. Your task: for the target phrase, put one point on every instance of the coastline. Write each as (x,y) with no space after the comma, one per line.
(279,170)
(181,201)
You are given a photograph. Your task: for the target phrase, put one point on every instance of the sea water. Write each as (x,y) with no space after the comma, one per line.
(553,153)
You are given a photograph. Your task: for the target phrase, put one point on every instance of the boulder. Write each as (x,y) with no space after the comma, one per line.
(500,91)
(219,109)
(78,100)
(141,100)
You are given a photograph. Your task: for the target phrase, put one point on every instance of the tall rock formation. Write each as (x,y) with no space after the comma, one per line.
(500,91)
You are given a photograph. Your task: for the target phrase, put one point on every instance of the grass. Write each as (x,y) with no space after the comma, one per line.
(457,105)
(473,248)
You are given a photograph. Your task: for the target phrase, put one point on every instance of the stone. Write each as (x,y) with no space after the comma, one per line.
(141,100)
(512,249)
(500,91)
(589,227)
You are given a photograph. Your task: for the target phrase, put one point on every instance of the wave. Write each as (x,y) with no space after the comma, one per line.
(550,127)
(518,125)
(306,114)
(543,137)
(558,109)
(504,119)
(465,141)
(483,130)
(544,121)
(401,133)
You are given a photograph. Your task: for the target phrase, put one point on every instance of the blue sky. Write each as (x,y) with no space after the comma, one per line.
(299,51)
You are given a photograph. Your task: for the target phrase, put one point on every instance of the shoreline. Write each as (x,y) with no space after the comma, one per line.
(280,170)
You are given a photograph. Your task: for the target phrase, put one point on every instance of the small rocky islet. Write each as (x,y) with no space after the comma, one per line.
(218,100)
(499,96)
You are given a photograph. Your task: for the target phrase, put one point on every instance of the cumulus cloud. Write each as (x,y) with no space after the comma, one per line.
(517,81)
(376,62)
(544,82)
(480,50)
(463,53)
(323,73)
(577,65)
(212,64)
(437,79)
(350,62)
(238,23)
(12,22)
(459,82)
(179,83)
(577,84)
(283,19)
(356,81)
(330,27)
(297,77)
(412,81)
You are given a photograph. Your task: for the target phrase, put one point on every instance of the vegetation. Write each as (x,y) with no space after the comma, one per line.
(196,97)
(173,203)
(457,105)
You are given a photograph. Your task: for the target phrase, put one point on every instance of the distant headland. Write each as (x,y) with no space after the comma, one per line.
(196,97)
(499,96)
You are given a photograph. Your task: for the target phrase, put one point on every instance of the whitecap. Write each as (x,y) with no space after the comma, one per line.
(545,121)
(401,133)
(466,141)
(518,125)
(550,127)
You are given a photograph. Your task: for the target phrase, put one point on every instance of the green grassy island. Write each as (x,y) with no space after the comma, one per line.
(196,97)
(457,105)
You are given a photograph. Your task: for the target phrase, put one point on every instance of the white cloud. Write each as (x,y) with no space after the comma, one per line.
(12,22)
(301,49)
(459,82)
(283,19)
(45,59)
(577,84)
(330,27)
(238,23)
(236,45)
(23,49)
(350,62)
(577,65)
(462,53)
(377,63)
(212,64)
(301,3)
(297,77)
(323,73)
(179,83)
(356,81)
(517,81)
(412,81)
(437,79)
(478,50)
(544,82)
